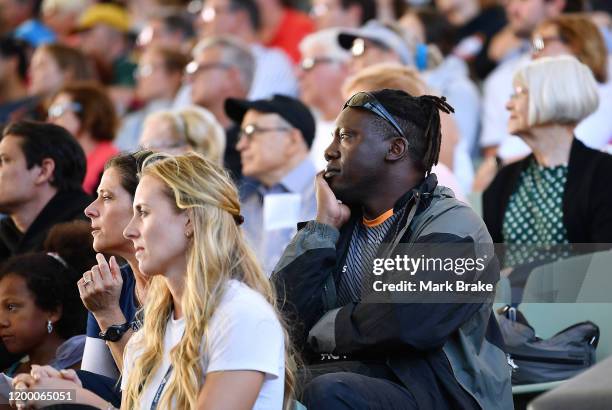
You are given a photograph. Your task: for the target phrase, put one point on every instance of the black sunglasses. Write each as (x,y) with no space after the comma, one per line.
(369,102)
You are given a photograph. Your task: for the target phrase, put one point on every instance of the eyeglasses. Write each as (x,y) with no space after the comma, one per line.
(518,91)
(194,67)
(309,63)
(250,130)
(144,70)
(319,10)
(208,14)
(539,43)
(57,110)
(368,102)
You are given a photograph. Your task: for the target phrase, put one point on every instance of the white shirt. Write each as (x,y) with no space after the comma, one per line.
(273,74)
(244,334)
(448,179)
(496,93)
(323,138)
(268,239)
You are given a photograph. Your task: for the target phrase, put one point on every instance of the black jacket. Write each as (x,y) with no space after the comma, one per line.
(63,207)
(587,198)
(457,344)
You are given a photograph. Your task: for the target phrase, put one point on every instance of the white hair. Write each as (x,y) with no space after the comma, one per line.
(328,40)
(561,90)
(234,52)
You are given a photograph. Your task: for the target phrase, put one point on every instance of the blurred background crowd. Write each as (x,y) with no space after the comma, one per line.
(101,69)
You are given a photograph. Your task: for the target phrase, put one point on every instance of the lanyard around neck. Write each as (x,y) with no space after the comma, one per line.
(160,389)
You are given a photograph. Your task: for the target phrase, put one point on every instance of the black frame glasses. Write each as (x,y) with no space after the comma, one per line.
(251,129)
(368,102)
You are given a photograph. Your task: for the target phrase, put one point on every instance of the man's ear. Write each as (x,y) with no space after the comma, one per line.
(46,171)
(398,149)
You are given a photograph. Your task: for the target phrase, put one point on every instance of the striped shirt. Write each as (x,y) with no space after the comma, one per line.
(365,241)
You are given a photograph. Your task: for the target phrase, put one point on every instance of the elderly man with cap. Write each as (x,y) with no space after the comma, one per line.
(376,42)
(278,189)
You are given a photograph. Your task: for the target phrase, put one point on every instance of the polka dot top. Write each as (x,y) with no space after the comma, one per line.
(535,213)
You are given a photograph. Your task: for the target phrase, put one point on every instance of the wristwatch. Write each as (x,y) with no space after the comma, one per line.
(115,332)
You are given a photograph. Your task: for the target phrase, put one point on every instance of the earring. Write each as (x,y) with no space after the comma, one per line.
(189,234)
(49,326)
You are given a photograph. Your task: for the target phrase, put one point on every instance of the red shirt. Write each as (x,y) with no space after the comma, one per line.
(95,164)
(294,26)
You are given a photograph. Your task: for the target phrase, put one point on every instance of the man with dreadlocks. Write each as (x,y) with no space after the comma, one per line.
(377,199)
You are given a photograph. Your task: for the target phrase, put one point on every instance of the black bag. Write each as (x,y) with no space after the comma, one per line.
(536,360)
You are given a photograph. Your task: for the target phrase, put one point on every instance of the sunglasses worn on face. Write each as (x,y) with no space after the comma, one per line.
(368,102)
(57,110)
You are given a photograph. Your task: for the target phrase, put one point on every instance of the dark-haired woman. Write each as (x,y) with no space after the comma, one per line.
(112,294)
(42,318)
(88,113)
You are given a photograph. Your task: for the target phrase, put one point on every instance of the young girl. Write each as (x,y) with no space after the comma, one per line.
(42,319)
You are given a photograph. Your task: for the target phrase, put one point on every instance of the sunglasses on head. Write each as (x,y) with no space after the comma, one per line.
(368,102)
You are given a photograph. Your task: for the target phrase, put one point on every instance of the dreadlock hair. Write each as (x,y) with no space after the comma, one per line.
(420,119)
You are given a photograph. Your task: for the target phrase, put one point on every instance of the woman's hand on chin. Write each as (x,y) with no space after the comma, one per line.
(100,290)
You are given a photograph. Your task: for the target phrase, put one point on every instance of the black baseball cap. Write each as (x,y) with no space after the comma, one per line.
(290,109)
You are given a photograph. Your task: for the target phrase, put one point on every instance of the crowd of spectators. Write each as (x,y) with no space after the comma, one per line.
(196,136)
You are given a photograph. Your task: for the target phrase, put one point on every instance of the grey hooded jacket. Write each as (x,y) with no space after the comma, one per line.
(459,341)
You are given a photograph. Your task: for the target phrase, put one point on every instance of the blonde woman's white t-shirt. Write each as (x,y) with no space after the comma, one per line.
(244,333)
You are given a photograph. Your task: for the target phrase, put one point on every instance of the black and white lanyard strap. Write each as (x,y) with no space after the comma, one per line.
(160,389)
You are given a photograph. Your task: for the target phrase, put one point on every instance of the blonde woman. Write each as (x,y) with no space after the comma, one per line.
(212,339)
(188,129)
